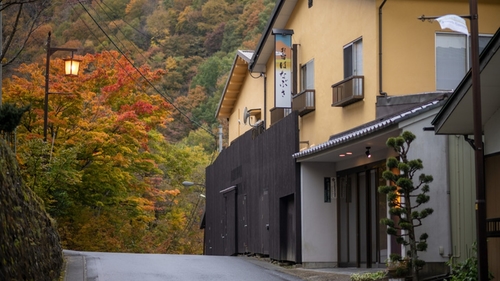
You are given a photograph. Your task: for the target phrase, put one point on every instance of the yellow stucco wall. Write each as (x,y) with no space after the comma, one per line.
(251,96)
(408,53)
(322,31)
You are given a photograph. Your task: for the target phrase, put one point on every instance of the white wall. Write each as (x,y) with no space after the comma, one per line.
(319,219)
(492,134)
(433,151)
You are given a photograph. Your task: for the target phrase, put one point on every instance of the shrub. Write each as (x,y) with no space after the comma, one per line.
(466,270)
(368,276)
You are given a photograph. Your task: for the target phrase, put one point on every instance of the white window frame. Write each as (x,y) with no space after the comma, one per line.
(307,76)
(353,57)
(441,85)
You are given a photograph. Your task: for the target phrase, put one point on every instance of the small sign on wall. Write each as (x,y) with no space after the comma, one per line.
(333,183)
(327,190)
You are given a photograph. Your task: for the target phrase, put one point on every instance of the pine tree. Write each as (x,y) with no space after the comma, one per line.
(405,196)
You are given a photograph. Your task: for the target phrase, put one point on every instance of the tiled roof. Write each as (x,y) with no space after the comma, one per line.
(369,128)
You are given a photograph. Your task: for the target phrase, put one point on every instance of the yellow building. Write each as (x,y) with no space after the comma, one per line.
(361,71)
(392,50)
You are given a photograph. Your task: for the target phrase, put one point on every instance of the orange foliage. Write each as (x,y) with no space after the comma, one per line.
(118,195)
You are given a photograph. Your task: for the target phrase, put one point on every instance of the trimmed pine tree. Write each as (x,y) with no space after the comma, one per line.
(405,195)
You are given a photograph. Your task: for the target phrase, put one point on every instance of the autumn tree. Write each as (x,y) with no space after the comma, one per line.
(106,173)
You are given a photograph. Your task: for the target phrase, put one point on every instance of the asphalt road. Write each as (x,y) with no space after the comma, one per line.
(87,266)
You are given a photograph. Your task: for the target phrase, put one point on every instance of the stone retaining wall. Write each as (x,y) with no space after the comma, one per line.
(30,247)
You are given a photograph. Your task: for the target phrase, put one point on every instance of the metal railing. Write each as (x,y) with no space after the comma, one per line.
(348,91)
(279,113)
(304,102)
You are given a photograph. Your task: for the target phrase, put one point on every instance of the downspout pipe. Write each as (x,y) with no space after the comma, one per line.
(381,92)
(265,99)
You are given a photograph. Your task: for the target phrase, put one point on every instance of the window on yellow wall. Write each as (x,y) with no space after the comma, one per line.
(307,76)
(452,58)
(353,58)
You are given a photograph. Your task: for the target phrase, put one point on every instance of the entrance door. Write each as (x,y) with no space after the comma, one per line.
(242,224)
(229,223)
(348,213)
(362,239)
(287,228)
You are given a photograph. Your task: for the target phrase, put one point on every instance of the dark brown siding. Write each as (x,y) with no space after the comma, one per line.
(260,167)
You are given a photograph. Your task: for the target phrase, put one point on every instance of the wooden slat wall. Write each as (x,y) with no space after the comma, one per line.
(263,170)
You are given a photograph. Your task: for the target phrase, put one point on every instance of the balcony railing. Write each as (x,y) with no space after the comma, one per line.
(304,102)
(348,91)
(279,113)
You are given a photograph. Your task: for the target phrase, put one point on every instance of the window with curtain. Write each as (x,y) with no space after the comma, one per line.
(452,58)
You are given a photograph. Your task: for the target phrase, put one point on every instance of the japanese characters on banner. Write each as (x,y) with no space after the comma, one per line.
(283,70)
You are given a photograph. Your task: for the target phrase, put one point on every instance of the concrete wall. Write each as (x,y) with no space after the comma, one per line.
(319,219)
(433,151)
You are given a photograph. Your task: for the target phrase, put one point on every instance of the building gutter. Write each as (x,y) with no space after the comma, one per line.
(381,92)
(265,100)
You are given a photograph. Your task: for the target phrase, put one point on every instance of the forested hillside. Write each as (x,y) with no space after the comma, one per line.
(137,121)
(193,41)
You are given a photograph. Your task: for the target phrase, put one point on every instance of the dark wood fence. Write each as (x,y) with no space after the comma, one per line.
(253,195)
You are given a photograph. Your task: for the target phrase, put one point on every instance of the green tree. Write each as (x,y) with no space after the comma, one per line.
(404,200)
(208,74)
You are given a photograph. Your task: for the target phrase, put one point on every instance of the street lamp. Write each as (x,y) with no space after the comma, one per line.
(190,183)
(71,66)
(482,248)
(193,212)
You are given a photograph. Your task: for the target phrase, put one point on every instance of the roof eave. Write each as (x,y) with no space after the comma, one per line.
(265,46)
(244,57)
(369,128)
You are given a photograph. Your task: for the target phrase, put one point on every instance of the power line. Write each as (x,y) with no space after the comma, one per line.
(164,95)
(139,51)
(126,22)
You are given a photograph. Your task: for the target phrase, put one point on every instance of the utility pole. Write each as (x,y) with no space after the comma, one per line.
(482,247)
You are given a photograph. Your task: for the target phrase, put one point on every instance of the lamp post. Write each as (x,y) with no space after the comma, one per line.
(190,183)
(482,248)
(71,66)
(193,212)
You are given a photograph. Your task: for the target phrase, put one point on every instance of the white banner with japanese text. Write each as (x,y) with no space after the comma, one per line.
(283,70)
